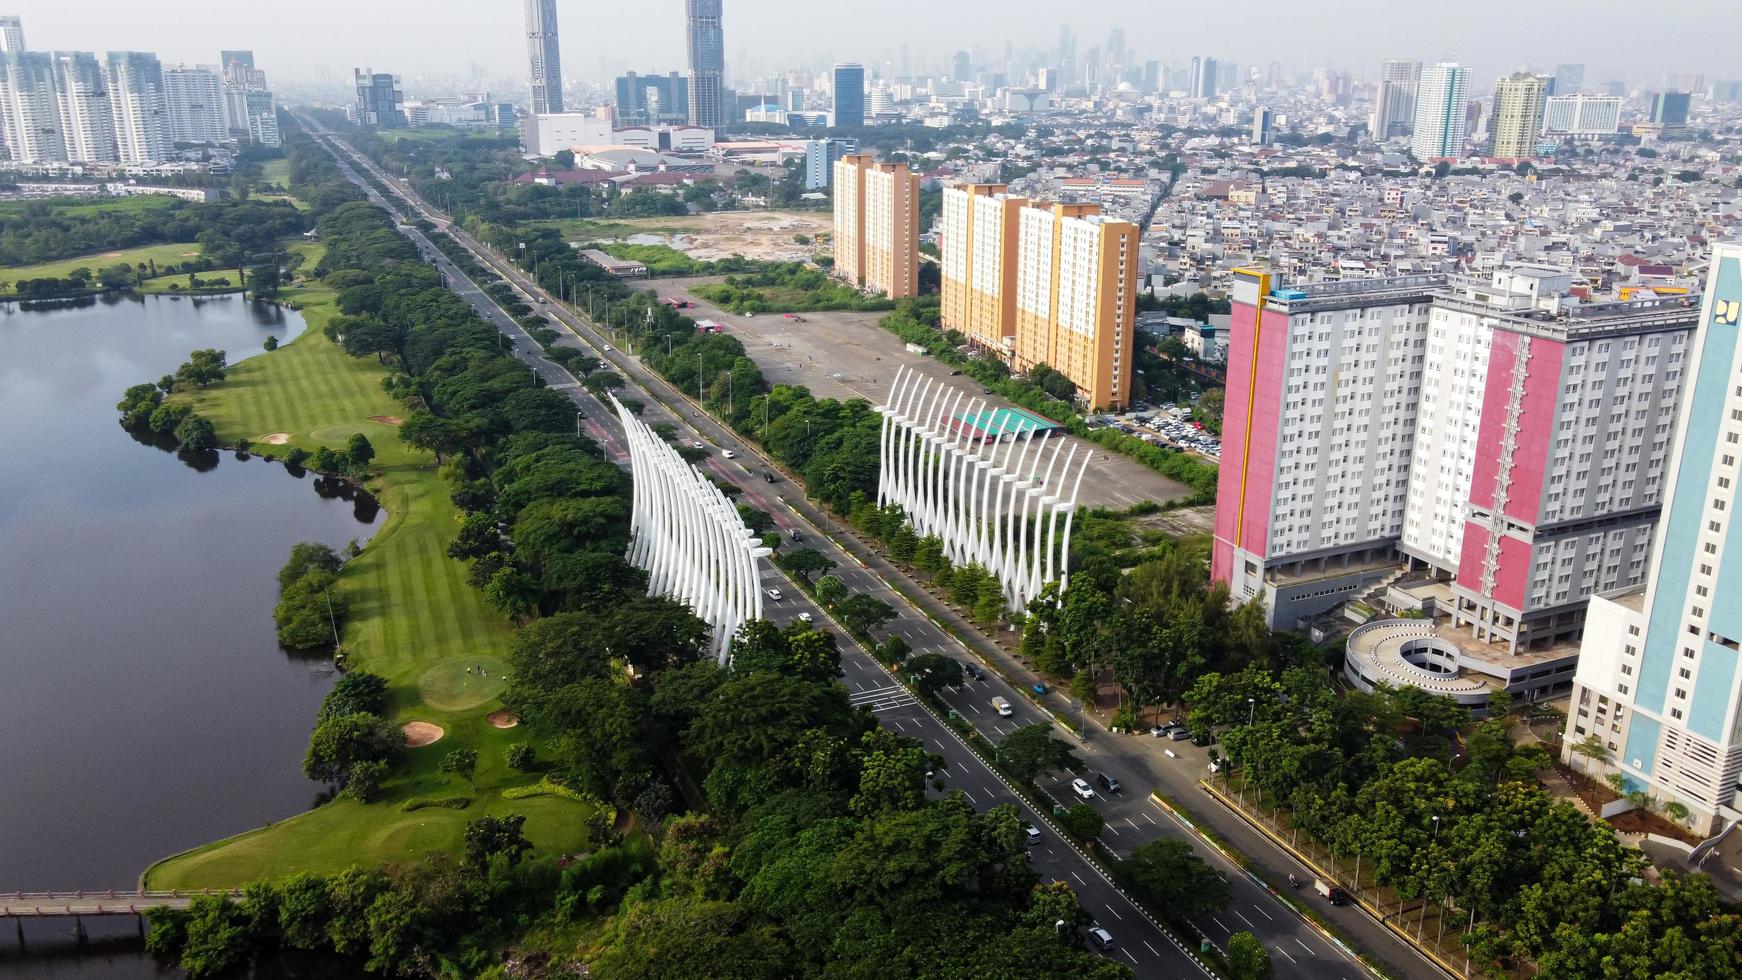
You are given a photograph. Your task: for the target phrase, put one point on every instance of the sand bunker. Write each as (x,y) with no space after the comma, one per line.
(275,438)
(387,419)
(503,719)
(421,733)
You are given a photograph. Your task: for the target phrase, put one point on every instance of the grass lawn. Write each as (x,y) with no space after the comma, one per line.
(414,619)
(93,204)
(276,171)
(171,254)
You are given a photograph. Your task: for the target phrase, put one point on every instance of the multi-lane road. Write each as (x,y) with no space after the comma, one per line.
(1140,764)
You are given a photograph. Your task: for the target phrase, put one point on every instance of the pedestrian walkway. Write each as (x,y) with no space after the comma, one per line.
(883,698)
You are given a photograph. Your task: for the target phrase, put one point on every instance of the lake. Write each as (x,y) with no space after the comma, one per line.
(145,706)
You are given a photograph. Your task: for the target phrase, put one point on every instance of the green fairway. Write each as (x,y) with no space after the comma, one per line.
(414,619)
(174,253)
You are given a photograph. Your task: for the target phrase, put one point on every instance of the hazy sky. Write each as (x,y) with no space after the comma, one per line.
(1637,40)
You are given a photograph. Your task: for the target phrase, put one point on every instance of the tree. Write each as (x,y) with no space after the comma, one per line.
(463,762)
(358,452)
(1592,747)
(356,691)
(1168,874)
(338,743)
(863,612)
(166,417)
(271,343)
(1031,750)
(308,612)
(830,590)
(806,562)
(304,558)
(196,434)
(1675,810)
(1247,958)
(893,650)
(487,837)
(137,404)
(213,937)
(265,279)
(521,757)
(932,672)
(363,780)
(202,369)
(1082,822)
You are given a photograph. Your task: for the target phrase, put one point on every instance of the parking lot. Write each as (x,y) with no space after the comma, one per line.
(1166,425)
(845,354)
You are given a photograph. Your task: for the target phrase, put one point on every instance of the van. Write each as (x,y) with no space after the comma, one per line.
(1002,707)
(1032,835)
(1330,892)
(1107,782)
(1102,939)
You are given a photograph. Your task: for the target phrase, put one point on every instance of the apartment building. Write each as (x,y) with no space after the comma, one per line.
(1519,100)
(1658,682)
(136,100)
(1076,298)
(977,250)
(1494,439)
(877,225)
(193,98)
(1323,386)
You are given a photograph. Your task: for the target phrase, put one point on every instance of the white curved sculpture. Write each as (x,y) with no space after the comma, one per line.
(989,501)
(689,538)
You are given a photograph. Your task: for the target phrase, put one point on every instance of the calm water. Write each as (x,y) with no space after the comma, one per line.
(144,704)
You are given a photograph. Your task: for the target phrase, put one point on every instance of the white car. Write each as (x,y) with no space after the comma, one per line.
(729,454)
(1083,790)
(774,594)
(804,617)
(607,348)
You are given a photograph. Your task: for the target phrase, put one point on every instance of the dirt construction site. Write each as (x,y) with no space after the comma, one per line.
(752,234)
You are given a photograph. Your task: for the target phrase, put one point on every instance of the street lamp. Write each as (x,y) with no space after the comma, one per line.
(577,425)
(1251,711)
(698,377)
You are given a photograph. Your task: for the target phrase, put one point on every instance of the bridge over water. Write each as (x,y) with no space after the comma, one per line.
(81,904)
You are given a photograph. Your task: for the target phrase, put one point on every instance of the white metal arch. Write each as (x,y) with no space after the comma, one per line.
(689,538)
(996,502)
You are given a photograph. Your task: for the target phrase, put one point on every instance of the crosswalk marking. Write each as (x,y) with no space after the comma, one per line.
(883,698)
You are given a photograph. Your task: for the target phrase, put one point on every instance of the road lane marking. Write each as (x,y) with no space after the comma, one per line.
(1304,946)
(1244,919)
(1291,959)
(1114,829)
(970,795)
(1128,956)
(1260,910)
(1133,826)
(1115,915)
(1080,881)
(1151,819)
(1146,945)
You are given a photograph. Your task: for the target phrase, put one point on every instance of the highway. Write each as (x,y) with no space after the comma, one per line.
(1297,948)
(1141,944)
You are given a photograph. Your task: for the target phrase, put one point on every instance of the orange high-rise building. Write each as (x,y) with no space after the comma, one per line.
(877,225)
(1076,299)
(977,248)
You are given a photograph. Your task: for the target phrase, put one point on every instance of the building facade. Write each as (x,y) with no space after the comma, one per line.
(707,51)
(193,101)
(1394,101)
(1439,112)
(978,256)
(1519,101)
(1658,689)
(543,57)
(653,98)
(1203,78)
(1581,116)
(136,100)
(11,33)
(379,102)
(849,96)
(87,120)
(820,157)
(877,225)
(1076,298)
(32,120)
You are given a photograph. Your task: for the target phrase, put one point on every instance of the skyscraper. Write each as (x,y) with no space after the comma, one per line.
(1262,119)
(1203,83)
(1394,102)
(379,101)
(1568,79)
(193,102)
(544,57)
(1658,691)
(87,125)
(707,46)
(11,33)
(964,70)
(1670,109)
(1519,100)
(653,98)
(31,120)
(136,101)
(1439,112)
(849,106)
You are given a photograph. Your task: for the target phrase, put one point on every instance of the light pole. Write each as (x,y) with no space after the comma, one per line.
(1251,710)
(577,425)
(698,378)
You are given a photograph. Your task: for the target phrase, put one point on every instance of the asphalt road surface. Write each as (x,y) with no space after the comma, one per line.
(1139,762)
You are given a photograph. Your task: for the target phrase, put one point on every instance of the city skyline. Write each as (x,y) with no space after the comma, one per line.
(1535,37)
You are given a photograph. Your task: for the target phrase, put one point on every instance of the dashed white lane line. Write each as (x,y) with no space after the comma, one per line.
(1128,956)
(1151,819)
(1149,947)
(1244,919)
(1080,881)
(1133,826)
(898,724)
(970,796)
(1219,922)
(1260,910)
(1115,914)
(1284,952)
(1304,946)
(1114,829)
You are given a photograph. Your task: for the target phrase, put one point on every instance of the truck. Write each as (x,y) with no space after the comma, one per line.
(1329,892)
(915,349)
